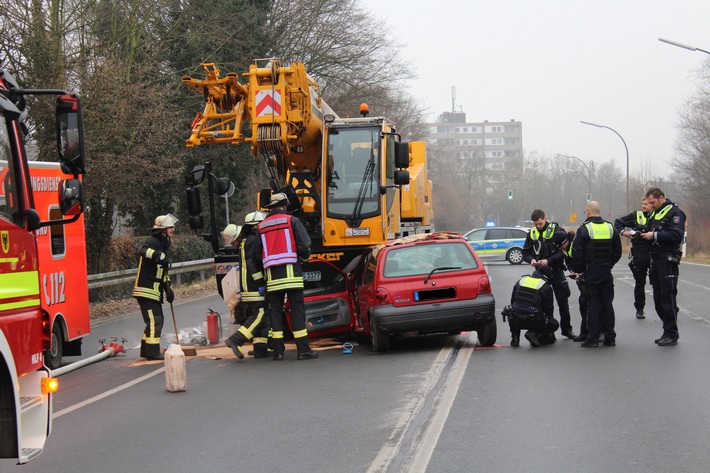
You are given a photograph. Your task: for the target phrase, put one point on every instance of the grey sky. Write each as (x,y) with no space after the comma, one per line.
(553,63)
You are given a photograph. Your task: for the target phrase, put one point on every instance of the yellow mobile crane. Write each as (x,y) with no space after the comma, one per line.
(352,181)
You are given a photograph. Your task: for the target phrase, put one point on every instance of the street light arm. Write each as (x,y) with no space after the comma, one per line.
(626,148)
(681,45)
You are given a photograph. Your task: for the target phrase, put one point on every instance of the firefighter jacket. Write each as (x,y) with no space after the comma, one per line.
(545,244)
(152,268)
(668,227)
(596,249)
(637,221)
(250,269)
(284,244)
(531,295)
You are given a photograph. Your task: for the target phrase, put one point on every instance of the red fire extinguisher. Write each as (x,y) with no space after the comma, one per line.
(214,326)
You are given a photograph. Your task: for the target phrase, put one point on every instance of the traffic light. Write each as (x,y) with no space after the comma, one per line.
(589,197)
(510,194)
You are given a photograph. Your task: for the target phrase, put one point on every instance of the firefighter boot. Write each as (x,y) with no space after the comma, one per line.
(235,346)
(262,351)
(143,355)
(304,349)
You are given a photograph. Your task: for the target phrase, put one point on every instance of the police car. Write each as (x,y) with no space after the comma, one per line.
(498,243)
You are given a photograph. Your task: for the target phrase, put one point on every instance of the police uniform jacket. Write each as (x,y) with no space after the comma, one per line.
(284,243)
(668,227)
(152,268)
(545,244)
(638,221)
(594,257)
(525,300)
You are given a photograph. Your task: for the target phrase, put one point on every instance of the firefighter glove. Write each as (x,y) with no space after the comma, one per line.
(169,295)
(262,290)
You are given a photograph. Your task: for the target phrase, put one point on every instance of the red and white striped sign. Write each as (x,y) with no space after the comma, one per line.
(268,102)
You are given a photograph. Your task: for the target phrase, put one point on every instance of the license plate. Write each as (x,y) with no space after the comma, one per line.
(311,276)
(357,232)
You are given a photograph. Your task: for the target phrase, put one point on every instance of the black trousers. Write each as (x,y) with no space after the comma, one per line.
(600,307)
(275,300)
(664,279)
(640,265)
(583,330)
(152,312)
(256,326)
(562,293)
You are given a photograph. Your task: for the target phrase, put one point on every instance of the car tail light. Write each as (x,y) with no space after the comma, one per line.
(383,296)
(484,285)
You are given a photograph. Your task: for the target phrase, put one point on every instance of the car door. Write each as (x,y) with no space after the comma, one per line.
(477,240)
(329,306)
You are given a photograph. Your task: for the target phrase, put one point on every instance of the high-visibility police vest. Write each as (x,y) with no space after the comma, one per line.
(549,231)
(658,215)
(641,217)
(599,247)
(528,293)
(278,241)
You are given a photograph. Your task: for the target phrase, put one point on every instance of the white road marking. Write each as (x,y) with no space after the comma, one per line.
(425,443)
(107,393)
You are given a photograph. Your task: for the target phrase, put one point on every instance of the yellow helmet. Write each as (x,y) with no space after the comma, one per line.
(253,218)
(230,233)
(164,221)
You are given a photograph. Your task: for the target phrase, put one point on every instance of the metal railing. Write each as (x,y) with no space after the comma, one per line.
(126,275)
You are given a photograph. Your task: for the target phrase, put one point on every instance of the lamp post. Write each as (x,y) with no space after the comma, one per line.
(681,45)
(627,156)
(588,177)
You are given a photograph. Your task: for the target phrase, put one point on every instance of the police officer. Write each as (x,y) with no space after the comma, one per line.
(595,250)
(582,300)
(284,245)
(532,308)
(632,226)
(251,281)
(151,281)
(666,230)
(542,247)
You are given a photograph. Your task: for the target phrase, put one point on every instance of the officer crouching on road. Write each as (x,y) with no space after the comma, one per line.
(532,309)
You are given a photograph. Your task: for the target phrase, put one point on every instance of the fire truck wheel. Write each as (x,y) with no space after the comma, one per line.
(53,356)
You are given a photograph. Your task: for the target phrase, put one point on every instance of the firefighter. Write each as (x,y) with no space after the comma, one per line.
(632,226)
(251,280)
(595,250)
(285,244)
(666,231)
(542,247)
(230,234)
(152,281)
(532,308)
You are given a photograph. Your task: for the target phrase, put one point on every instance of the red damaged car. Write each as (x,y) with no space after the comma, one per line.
(431,283)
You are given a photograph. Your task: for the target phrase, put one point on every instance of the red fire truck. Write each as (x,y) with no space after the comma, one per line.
(25,325)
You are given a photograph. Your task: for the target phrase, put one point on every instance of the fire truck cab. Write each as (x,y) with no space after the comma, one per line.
(61,252)
(25,330)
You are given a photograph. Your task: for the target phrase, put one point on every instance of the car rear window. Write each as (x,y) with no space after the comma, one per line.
(421,259)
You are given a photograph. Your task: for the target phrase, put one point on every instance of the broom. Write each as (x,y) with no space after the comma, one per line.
(187,350)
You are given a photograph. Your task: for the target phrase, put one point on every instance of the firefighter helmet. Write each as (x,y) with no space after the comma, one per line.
(165,221)
(253,218)
(277,200)
(230,233)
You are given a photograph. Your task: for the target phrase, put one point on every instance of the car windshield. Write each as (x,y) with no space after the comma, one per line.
(322,278)
(421,259)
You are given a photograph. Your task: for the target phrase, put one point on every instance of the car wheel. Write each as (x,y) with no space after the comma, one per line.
(514,256)
(379,339)
(488,333)
(53,356)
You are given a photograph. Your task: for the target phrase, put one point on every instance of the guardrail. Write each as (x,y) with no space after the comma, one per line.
(176,269)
